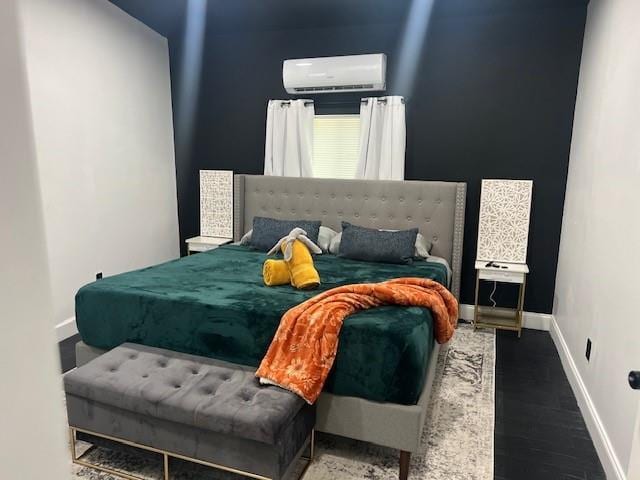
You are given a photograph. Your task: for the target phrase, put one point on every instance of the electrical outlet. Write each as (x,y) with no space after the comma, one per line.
(98,275)
(588,352)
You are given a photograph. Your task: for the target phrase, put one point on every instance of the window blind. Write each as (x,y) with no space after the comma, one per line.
(336,145)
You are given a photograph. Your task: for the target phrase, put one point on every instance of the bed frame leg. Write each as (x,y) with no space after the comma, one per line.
(405,458)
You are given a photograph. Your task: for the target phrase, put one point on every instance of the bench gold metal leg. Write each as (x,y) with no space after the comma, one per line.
(166,467)
(312,447)
(73,446)
(309,459)
(79,460)
(313,444)
(72,443)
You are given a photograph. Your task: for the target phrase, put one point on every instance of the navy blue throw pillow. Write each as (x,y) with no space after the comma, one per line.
(372,245)
(267,231)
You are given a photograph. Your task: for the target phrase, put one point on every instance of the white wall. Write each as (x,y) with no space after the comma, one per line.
(32,443)
(100,89)
(597,286)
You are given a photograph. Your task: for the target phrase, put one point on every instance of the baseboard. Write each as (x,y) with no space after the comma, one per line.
(66,329)
(601,441)
(534,321)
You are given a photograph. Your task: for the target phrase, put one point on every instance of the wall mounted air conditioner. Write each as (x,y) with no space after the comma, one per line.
(349,73)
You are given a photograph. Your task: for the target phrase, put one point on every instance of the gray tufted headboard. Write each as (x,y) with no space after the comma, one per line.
(436,208)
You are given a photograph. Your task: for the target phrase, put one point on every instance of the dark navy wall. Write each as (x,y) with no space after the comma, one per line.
(494,97)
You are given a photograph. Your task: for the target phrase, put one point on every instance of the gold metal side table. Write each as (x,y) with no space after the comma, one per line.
(498,317)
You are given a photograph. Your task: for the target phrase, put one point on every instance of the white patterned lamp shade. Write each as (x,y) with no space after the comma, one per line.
(216,203)
(503,230)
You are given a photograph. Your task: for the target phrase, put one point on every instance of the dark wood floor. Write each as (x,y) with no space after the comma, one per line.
(540,433)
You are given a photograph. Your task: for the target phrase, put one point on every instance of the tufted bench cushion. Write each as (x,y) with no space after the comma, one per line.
(189,405)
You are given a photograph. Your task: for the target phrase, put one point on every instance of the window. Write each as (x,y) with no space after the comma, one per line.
(336,145)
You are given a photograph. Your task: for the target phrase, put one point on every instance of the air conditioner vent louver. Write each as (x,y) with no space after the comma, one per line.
(350,73)
(368,86)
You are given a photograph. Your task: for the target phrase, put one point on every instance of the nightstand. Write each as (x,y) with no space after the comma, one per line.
(204,244)
(497,317)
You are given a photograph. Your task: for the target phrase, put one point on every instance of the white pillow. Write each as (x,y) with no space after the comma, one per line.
(334,246)
(325,236)
(423,246)
(246,238)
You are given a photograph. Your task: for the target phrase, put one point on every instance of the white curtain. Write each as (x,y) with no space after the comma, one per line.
(289,140)
(383,139)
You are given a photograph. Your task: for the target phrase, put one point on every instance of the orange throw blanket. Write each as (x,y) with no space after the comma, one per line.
(304,347)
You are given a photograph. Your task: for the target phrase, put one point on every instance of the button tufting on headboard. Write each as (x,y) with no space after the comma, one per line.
(436,208)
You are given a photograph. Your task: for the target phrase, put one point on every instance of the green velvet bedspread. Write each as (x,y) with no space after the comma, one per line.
(215,304)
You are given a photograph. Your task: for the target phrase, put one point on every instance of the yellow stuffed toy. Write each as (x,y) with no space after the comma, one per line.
(296,248)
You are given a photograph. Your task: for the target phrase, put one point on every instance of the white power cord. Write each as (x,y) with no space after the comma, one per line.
(495,285)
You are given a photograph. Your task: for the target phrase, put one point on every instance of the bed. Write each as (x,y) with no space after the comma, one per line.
(214,303)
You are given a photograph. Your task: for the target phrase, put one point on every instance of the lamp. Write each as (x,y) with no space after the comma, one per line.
(216,203)
(503,230)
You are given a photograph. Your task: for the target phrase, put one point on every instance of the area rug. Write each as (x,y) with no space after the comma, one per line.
(457,442)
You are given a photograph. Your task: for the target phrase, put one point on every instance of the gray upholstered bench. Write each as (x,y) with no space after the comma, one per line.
(193,408)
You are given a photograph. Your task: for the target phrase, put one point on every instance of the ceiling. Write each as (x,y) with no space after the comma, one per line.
(167,16)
